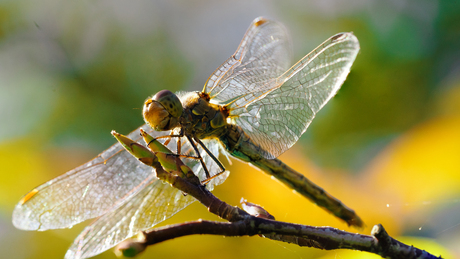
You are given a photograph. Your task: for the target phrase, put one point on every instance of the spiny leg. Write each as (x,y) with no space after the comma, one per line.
(211,155)
(170,137)
(198,155)
(206,181)
(186,156)
(179,146)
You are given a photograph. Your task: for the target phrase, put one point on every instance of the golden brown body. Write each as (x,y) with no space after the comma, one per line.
(268,105)
(207,120)
(201,118)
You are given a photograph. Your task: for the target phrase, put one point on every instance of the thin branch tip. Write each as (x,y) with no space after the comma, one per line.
(253,220)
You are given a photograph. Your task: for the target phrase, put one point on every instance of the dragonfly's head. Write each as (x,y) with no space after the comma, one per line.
(162,111)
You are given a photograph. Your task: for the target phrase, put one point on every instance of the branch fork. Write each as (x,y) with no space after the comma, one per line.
(253,220)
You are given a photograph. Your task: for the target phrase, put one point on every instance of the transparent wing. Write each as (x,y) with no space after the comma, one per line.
(278,117)
(138,213)
(85,192)
(263,54)
(89,190)
(152,205)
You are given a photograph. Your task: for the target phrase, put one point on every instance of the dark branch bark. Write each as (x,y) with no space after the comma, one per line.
(326,238)
(242,223)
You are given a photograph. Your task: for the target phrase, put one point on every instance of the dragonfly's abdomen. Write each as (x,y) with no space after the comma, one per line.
(239,145)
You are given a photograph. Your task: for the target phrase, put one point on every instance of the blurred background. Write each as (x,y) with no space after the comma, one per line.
(388,145)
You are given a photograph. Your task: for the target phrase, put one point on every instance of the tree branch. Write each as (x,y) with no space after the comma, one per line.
(325,238)
(257,221)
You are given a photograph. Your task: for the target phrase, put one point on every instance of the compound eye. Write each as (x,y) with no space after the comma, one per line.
(170,102)
(161,94)
(155,115)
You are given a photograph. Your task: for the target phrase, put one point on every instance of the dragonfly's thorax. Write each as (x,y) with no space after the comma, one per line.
(201,118)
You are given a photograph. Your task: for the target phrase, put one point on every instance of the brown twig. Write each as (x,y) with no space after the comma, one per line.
(242,223)
(317,237)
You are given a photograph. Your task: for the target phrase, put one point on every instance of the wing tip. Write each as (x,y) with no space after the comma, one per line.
(28,196)
(259,21)
(346,37)
(21,221)
(343,36)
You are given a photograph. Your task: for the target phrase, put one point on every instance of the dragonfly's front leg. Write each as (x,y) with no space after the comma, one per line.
(198,154)
(179,146)
(213,158)
(169,139)
(199,157)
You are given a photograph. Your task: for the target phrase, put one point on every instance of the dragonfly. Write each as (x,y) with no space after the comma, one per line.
(257,107)
(253,107)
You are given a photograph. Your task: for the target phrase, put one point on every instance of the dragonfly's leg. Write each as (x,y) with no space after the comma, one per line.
(186,156)
(211,155)
(198,155)
(179,146)
(169,138)
(165,136)
(206,181)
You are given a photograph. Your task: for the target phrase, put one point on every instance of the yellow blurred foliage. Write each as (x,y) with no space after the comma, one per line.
(22,166)
(422,165)
(26,163)
(448,101)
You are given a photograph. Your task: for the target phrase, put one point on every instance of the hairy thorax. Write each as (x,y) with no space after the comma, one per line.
(201,118)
